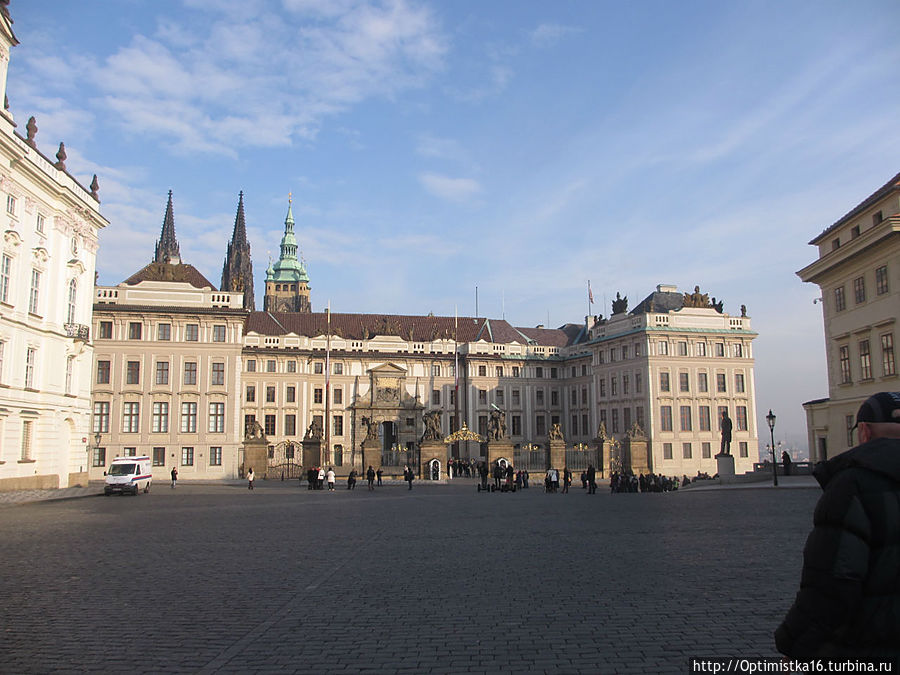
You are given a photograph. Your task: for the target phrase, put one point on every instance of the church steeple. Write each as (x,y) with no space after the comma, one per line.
(167,246)
(237,272)
(287,283)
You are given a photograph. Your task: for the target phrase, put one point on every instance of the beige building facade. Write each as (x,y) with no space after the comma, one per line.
(858,272)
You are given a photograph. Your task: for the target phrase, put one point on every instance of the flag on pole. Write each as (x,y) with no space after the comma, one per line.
(456,350)
(590,293)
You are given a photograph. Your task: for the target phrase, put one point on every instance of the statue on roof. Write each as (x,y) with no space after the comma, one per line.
(697,299)
(31,130)
(718,306)
(620,304)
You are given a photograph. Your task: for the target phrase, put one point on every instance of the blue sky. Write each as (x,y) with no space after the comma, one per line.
(520,147)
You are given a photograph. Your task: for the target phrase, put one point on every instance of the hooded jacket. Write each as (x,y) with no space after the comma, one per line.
(848,606)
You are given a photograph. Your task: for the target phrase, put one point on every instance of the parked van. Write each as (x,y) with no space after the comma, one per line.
(128,474)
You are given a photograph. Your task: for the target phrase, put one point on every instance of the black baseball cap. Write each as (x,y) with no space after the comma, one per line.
(882,407)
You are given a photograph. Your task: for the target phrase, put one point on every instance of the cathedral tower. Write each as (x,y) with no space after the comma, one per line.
(287,284)
(167,246)
(237,272)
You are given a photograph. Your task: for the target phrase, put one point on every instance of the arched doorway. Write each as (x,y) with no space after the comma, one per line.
(434,469)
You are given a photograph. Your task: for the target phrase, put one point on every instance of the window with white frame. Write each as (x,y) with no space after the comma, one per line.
(30,358)
(101,417)
(218,373)
(5,277)
(39,223)
(71,311)
(218,334)
(27,433)
(215,455)
(217,418)
(160,421)
(11,205)
(887,354)
(34,294)
(187,456)
(189,418)
(131,417)
(192,332)
(70,362)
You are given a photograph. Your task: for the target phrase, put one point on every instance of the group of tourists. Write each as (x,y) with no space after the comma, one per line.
(628,482)
(464,468)
(317,478)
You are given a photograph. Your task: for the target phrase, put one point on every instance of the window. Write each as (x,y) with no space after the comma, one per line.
(192,332)
(218,374)
(574,430)
(515,371)
(859,290)
(35,292)
(665,417)
(270,365)
(684,382)
(540,425)
(573,396)
(516,397)
(516,425)
(686,451)
(290,394)
(187,457)
(164,332)
(720,383)
(498,371)
(338,368)
(159,422)
(743,449)
(686,420)
(721,410)
(102,372)
(250,393)
(840,304)
(539,397)
(615,420)
(317,395)
(639,416)
(667,451)
(162,372)
(318,368)
(740,415)
(702,382)
(682,349)
(624,388)
(251,365)
(739,383)
(720,349)
(11,205)
(664,381)
(538,372)
(498,396)
(189,418)
(135,329)
(881,280)
(435,371)
(270,425)
(190,372)
(614,386)
(662,348)
(602,387)
(270,394)
(835,244)
(887,354)
(338,394)
(865,361)
(159,456)
(700,348)
(218,334)
(704,418)
(435,397)
(482,425)
(482,396)
(638,383)
(706,450)
(854,232)
(338,425)
(131,452)
(133,372)
(844,357)
(30,358)
(101,417)
(215,456)
(453,397)
(131,417)
(584,397)
(291,366)
(73,301)
(39,224)
(737,350)
(877,217)
(98,457)
(584,421)
(290,425)
(217,418)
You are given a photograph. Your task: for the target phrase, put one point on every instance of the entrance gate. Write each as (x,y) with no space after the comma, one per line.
(285,460)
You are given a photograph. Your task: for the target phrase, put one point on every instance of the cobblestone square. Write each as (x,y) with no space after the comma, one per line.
(441,579)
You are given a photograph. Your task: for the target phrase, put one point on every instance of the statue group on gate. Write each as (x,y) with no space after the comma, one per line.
(314,431)
(371,428)
(556,433)
(497,425)
(433,430)
(253,431)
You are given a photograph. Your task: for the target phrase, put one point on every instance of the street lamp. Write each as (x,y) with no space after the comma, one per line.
(770,418)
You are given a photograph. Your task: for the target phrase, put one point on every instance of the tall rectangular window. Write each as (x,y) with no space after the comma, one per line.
(159,456)
(338,396)
(159,423)
(338,425)
(162,372)
(133,372)
(435,397)
(859,290)
(881,280)
(667,451)
(684,382)
(887,354)
(686,451)
(739,383)
(743,449)
(135,330)
(706,450)
(516,425)
(703,415)
(101,417)
(849,423)
(482,396)
(865,360)
(98,457)
(290,425)
(164,332)
(270,394)
(291,366)
(700,348)
(665,417)
(740,415)
(103,372)
(840,304)
(614,385)
(34,294)
(702,382)
(131,417)
(638,383)
(5,277)
(187,457)
(290,394)
(190,372)
(70,362)
(251,365)
(217,418)
(844,358)
(218,374)
(540,425)
(271,365)
(30,358)
(189,418)
(105,330)
(720,383)
(686,419)
(251,393)
(269,426)
(682,348)
(539,397)
(215,456)
(192,332)
(664,381)
(218,334)
(614,416)
(27,433)
(11,205)
(317,395)
(435,371)
(39,223)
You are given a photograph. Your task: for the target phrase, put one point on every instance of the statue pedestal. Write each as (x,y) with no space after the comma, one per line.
(557,454)
(428,452)
(312,452)
(256,457)
(500,449)
(371,451)
(725,467)
(638,455)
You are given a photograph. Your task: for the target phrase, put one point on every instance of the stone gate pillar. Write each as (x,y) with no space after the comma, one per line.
(256,457)
(429,450)
(312,452)
(371,454)
(498,449)
(638,451)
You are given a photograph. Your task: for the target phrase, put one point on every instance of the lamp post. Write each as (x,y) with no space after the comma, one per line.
(770,418)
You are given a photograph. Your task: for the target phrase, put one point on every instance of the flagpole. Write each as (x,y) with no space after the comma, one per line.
(456,368)
(328,383)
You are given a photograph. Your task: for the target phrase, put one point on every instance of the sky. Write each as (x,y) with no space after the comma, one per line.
(522,148)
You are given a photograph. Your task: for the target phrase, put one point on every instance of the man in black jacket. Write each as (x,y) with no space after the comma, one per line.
(848,606)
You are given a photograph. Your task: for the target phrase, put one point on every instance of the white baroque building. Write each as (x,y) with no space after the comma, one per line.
(50,226)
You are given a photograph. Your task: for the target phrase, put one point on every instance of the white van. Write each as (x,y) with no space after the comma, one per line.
(128,474)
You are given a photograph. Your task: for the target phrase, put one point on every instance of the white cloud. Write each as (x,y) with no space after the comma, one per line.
(451,189)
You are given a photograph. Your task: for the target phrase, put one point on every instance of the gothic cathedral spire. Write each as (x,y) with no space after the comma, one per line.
(237,272)
(167,246)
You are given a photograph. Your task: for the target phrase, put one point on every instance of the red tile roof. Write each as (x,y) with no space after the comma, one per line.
(169,272)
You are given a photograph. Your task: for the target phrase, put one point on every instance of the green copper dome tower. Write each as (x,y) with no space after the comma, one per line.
(287,283)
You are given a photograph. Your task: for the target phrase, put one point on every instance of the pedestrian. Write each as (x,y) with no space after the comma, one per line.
(174,477)
(378,473)
(370,476)
(592,479)
(320,478)
(329,478)
(408,475)
(250,477)
(786,462)
(567,479)
(584,480)
(351,480)
(525,479)
(848,605)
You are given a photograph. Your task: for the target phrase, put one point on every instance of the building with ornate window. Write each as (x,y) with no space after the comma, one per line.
(50,226)
(858,273)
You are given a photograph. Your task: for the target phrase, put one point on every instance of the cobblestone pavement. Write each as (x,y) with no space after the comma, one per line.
(207,579)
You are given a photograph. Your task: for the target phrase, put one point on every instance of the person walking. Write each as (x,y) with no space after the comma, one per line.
(848,604)
(378,474)
(250,477)
(370,476)
(320,478)
(592,479)
(351,480)
(786,462)
(174,477)
(408,475)
(567,479)
(329,478)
